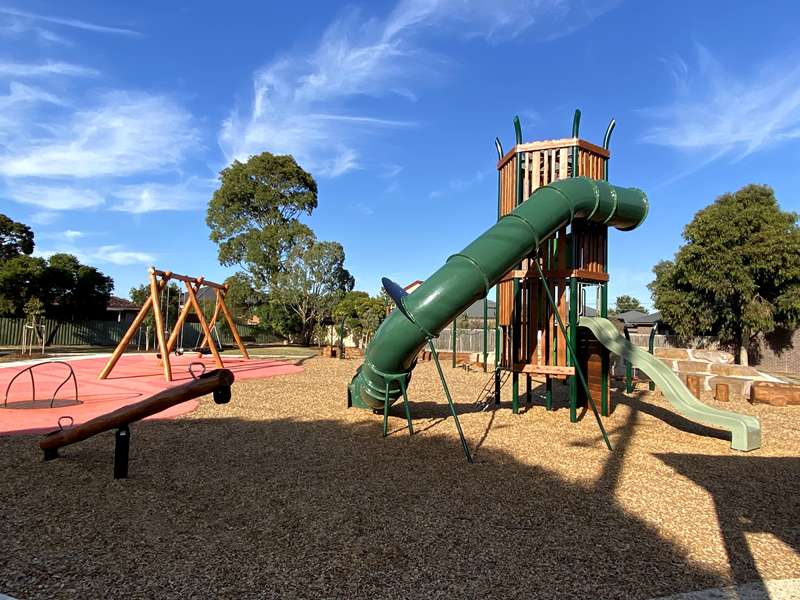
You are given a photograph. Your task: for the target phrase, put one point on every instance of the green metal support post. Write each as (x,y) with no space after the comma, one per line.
(515,316)
(651,343)
(572,343)
(454,341)
(628,368)
(578,368)
(464,445)
(604,355)
(485,334)
(497,330)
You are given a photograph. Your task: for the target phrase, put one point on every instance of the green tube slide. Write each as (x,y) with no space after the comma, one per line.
(469,275)
(745,430)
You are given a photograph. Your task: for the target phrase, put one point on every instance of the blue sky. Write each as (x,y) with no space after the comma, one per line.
(115,118)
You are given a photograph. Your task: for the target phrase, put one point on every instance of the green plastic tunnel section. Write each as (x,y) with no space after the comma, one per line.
(745,430)
(469,275)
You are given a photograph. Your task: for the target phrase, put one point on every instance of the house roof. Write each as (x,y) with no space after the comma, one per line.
(637,317)
(116,303)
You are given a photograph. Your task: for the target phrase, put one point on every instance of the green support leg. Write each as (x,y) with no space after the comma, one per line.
(572,343)
(548,394)
(464,445)
(515,329)
(386,404)
(604,356)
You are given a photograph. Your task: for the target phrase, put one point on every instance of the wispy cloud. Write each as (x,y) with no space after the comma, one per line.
(459,184)
(305,103)
(114,254)
(123,134)
(49,68)
(150,197)
(52,196)
(725,112)
(67,22)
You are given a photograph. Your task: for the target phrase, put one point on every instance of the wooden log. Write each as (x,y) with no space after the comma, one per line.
(231,325)
(213,320)
(186,278)
(776,394)
(203,324)
(721,392)
(126,339)
(159,319)
(694,382)
(205,384)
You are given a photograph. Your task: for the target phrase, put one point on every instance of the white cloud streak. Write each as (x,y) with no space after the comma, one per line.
(124,134)
(304,103)
(723,112)
(49,68)
(66,22)
(190,194)
(53,197)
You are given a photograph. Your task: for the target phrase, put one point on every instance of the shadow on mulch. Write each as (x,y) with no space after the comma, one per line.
(285,509)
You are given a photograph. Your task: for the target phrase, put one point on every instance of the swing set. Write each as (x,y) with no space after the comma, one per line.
(158,284)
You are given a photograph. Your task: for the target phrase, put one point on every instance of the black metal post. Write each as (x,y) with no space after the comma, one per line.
(122,445)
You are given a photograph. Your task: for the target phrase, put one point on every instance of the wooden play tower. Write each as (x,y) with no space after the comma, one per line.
(574,266)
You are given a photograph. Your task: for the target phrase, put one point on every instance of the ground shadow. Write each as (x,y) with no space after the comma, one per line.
(322,508)
(733,482)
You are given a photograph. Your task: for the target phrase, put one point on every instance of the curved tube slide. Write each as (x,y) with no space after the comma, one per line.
(745,430)
(469,275)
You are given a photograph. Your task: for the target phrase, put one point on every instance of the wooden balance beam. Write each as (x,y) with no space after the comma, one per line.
(217,382)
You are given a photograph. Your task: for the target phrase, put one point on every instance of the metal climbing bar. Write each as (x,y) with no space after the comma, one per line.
(575,362)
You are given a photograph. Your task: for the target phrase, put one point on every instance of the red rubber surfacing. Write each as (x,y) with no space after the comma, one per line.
(135,377)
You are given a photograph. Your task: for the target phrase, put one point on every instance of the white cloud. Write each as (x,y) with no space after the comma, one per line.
(23,70)
(118,255)
(44,217)
(27,17)
(52,196)
(114,254)
(460,184)
(721,112)
(123,134)
(302,103)
(149,197)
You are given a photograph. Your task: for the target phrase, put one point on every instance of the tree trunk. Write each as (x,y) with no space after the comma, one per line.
(743,344)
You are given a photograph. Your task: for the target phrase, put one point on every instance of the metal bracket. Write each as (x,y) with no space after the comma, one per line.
(122,445)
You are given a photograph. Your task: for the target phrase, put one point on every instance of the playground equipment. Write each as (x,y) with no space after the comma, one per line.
(745,430)
(158,281)
(547,253)
(217,382)
(70,376)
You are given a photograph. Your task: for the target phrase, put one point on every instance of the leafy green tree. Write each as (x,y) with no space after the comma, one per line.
(21,278)
(16,239)
(254,214)
(77,291)
(737,275)
(362,313)
(311,282)
(625,303)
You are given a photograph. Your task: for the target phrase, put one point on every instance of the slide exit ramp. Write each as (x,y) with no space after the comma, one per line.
(745,430)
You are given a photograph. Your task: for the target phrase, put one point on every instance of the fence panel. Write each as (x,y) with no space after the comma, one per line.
(109,333)
(467,340)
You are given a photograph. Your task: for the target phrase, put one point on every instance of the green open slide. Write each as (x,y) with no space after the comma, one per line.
(745,430)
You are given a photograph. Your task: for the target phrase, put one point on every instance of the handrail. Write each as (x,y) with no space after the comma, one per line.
(29,369)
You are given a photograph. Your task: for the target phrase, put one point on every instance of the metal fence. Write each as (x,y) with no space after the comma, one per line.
(467,340)
(109,333)
(471,340)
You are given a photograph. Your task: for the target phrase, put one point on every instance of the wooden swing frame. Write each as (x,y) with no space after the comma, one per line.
(158,281)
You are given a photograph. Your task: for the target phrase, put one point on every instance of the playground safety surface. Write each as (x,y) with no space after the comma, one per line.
(283,493)
(135,377)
